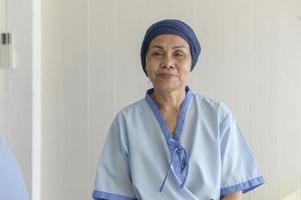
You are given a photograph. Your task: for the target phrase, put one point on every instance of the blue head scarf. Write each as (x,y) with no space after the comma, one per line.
(173,27)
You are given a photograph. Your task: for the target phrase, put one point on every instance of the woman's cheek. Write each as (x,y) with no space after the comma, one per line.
(150,75)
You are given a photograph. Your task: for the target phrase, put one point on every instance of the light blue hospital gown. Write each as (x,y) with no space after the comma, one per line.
(12,186)
(206,159)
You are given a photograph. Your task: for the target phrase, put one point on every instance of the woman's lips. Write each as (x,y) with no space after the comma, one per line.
(167,75)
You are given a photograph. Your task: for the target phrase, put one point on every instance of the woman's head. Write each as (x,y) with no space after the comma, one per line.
(169,52)
(168,62)
(171,27)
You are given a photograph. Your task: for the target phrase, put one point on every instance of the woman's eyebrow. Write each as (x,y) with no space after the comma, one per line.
(175,47)
(157,46)
(179,47)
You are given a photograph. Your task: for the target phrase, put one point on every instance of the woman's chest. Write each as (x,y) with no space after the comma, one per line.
(171,119)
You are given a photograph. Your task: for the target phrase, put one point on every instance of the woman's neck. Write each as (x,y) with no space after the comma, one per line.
(169,100)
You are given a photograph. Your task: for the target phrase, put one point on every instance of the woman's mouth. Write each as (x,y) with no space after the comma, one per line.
(167,75)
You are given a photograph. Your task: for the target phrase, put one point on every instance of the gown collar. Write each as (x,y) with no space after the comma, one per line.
(178,156)
(181,117)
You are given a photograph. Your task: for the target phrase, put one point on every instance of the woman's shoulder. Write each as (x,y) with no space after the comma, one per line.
(211,104)
(134,108)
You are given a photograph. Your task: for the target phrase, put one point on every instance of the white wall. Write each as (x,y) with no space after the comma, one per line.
(64,100)
(91,68)
(16,85)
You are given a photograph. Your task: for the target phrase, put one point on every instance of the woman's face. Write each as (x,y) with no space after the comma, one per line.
(168,62)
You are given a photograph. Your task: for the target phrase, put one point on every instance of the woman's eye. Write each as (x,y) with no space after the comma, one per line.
(179,54)
(157,53)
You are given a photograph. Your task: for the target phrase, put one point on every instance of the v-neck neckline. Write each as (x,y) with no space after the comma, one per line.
(178,156)
(181,117)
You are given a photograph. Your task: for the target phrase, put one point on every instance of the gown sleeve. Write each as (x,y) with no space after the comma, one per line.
(239,169)
(12,186)
(113,179)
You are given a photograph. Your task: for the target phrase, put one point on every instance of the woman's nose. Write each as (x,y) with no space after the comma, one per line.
(167,62)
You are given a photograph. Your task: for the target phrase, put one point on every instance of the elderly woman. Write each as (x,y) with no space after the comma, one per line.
(174,143)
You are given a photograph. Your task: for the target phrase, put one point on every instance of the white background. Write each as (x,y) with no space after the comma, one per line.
(16,84)
(251,60)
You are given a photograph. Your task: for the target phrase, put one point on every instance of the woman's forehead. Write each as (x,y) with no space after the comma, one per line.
(169,39)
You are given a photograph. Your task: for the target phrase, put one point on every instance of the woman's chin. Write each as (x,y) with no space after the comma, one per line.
(169,87)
